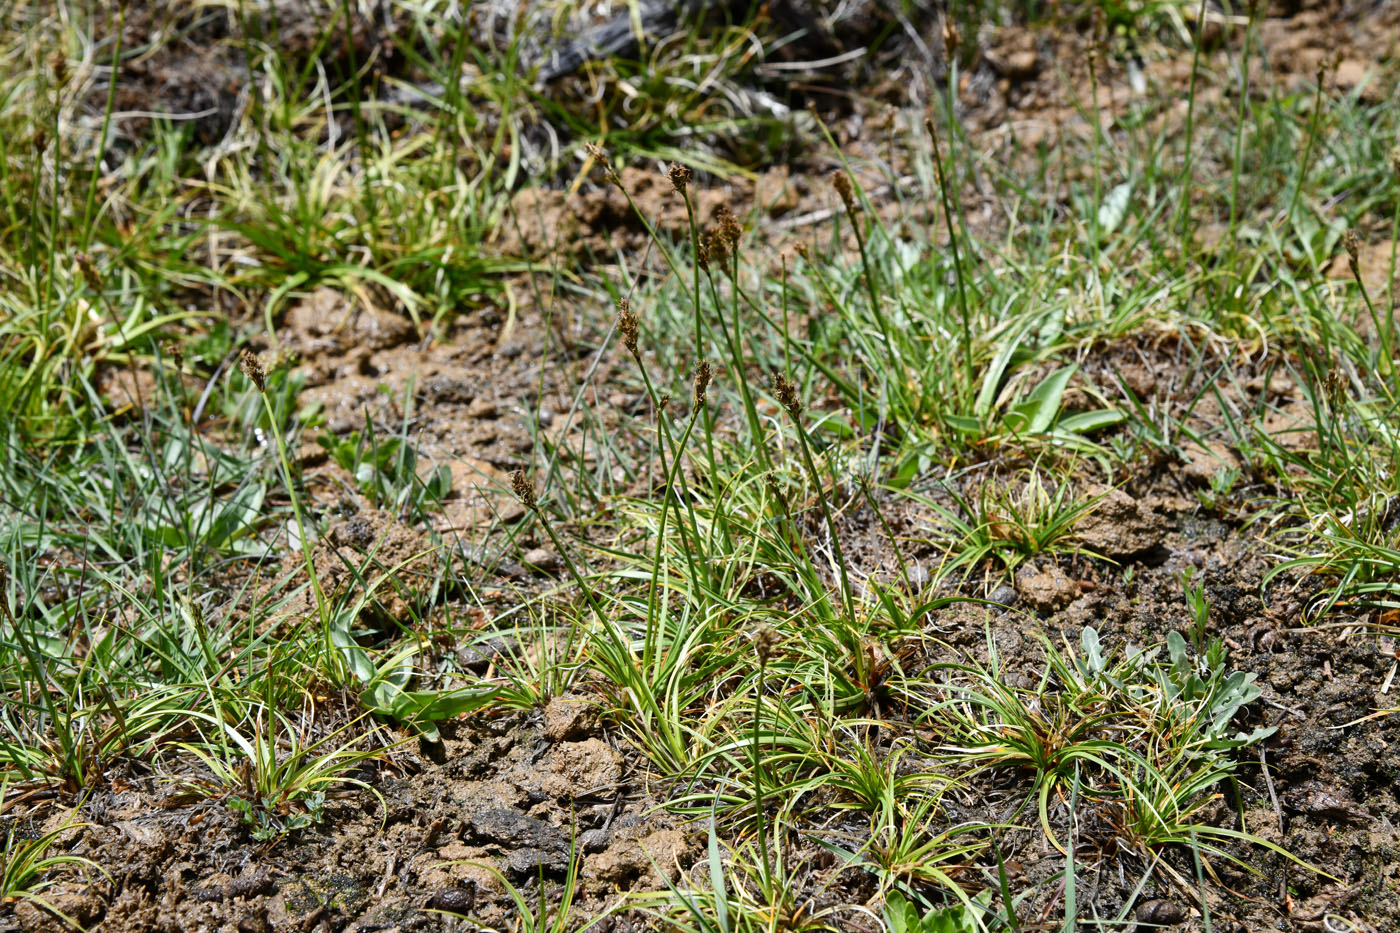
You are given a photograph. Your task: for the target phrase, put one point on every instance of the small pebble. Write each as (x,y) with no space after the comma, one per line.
(1159,912)
(454,900)
(1004,595)
(542,558)
(593,840)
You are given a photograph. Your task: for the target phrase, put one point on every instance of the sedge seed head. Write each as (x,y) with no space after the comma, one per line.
(842,183)
(524,489)
(787,395)
(703,375)
(597,154)
(765,642)
(252,368)
(952,39)
(729,229)
(627,326)
(1334,387)
(680,177)
(89,271)
(717,250)
(1351,242)
(1393,157)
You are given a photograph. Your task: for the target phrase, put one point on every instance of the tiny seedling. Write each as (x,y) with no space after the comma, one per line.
(1199,605)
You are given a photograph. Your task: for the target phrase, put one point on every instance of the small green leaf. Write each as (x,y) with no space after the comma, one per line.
(1047,398)
(1176,647)
(717,881)
(1114,208)
(963,424)
(1089,642)
(902,916)
(1087,422)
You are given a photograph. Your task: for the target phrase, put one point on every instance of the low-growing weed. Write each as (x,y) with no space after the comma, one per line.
(272,776)
(25,861)
(1005,521)
(1153,738)
(386,471)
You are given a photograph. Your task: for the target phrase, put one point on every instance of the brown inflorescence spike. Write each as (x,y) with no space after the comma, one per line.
(680,177)
(89,272)
(523,488)
(597,154)
(627,326)
(765,642)
(729,229)
(787,395)
(716,250)
(842,183)
(952,39)
(703,374)
(253,369)
(59,63)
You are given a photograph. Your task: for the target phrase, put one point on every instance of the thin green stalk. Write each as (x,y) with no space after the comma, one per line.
(787,397)
(1384,362)
(1308,147)
(361,132)
(787,333)
(1239,131)
(252,368)
(688,551)
(1184,207)
(845,190)
(849,389)
(1379,351)
(32,242)
(1394,248)
(957,258)
(695,260)
(57,143)
(1201,881)
(740,369)
(525,492)
(89,215)
(889,533)
(1094,245)
(757,761)
(627,325)
(680,179)
(736,352)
